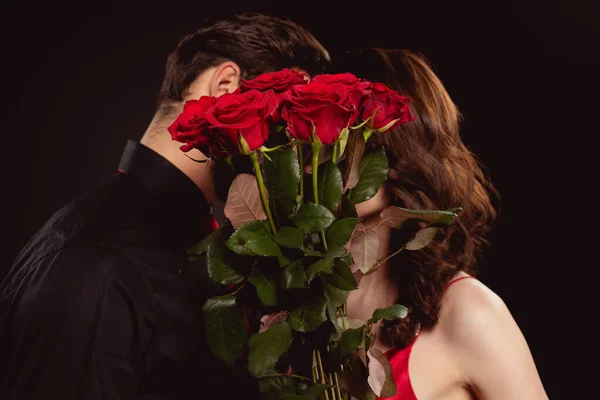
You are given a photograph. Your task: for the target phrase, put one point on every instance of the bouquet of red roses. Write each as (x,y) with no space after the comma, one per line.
(298,162)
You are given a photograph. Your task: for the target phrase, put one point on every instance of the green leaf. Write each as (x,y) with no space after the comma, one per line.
(456,210)
(325,265)
(339,233)
(237,243)
(219,267)
(396,217)
(342,277)
(264,349)
(293,276)
(243,203)
(347,259)
(351,340)
(287,394)
(311,253)
(341,143)
(335,296)
(276,384)
(350,323)
(269,320)
(369,340)
(313,218)
(337,252)
(289,388)
(381,378)
(264,246)
(310,317)
(390,313)
(314,391)
(260,245)
(364,248)
(282,387)
(290,237)
(332,313)
(224,327)
(282,176)
(217,236)
(347,208)
(330,185)
(421,239)
(373,174)
(354,379)
(254,239)
(266,289)
(356,149)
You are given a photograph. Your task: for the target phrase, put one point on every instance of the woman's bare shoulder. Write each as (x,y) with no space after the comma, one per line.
(486,345)
(470,308)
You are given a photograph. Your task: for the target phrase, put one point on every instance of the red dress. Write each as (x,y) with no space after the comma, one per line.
(399,360)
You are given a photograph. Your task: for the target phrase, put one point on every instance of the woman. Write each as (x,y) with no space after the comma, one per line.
(459,341)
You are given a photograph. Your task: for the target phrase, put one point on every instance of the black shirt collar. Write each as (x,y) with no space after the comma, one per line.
(165,181)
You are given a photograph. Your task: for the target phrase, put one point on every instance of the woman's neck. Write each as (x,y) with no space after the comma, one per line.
(376,289)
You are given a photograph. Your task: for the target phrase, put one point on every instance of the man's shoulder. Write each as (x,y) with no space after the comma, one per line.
(91,214)
(78,235)
(69,285)
(74,263)
(117,199)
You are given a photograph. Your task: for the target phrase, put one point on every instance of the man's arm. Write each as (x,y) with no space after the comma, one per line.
(80,328)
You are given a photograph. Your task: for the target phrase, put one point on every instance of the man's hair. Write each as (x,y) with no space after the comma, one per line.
(257,43)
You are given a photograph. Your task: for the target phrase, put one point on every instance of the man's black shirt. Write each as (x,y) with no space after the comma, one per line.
(102,303)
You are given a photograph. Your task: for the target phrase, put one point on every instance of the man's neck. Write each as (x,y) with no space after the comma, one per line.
(158,139)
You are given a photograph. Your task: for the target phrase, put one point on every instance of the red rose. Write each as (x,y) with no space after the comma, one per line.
(247,114)
(191,126)
(328,107)
(387,108)
(279,82)
(358,88)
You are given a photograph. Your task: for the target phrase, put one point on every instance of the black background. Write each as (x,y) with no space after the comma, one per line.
(79,79)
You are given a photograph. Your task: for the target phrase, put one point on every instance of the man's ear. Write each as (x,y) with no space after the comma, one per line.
(225,79)
(302,71)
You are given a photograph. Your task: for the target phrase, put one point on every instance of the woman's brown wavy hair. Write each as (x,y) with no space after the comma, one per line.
(430,168)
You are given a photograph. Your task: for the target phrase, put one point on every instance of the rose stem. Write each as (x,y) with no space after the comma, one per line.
(337,386)
(322,373)
(333,378)
(334,154)
(315,371)
(379,262)
(301,163)
(333,394)
(292,375)
(316,148)
(261,188)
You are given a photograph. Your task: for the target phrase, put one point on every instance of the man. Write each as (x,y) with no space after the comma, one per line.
(101,303)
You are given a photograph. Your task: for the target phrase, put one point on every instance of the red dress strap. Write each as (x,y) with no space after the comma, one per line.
(458,279)
(399,359)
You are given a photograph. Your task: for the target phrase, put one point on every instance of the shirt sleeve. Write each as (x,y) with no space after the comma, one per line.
(80,328)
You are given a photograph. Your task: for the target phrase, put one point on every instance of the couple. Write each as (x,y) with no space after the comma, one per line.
(102,303)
